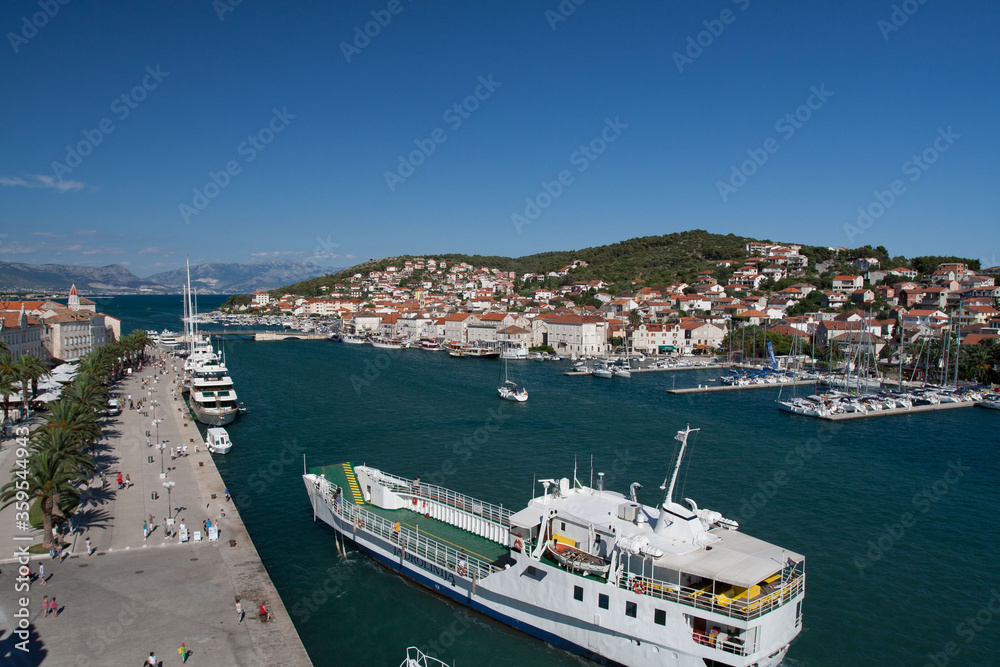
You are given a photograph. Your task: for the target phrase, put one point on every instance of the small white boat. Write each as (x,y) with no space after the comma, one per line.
(217,441)
(417,658)
(510,390)
(602,371)
(575,560)
(353,339)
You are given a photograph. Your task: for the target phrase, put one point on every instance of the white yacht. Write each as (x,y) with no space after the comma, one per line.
(683,586)
(212,396)
(217,441)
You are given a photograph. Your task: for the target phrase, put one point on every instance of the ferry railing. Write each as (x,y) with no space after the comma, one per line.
(705,599)
(409,540)
(489,511)
(724,645)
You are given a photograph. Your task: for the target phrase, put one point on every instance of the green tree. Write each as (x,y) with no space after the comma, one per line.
(48,479)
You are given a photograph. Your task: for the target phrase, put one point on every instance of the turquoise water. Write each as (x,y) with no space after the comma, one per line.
(822,489)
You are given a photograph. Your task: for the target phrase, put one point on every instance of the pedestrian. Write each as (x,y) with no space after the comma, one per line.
(54,607)
(41,573)
(240,612)
(151,660)
(171,453)
(227,494)
(183,653)
(120,480)
(145,531)
(89,547)
(45,606)
(128,482)
(166,528)
(265,615)
(52,550)
(185,450)
(148,442)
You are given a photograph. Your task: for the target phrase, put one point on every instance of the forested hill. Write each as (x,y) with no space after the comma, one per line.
(654,259)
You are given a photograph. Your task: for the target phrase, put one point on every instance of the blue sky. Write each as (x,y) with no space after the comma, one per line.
(572,129)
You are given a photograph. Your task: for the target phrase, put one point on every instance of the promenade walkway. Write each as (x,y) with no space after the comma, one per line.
(136,595)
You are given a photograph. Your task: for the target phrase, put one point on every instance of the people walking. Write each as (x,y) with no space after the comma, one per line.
(151,660)
(183,651)
(45,606)
(54,607)
(41,573)
(145,530)
(89,547)
(240,612)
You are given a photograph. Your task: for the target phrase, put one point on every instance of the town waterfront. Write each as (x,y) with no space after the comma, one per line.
(893,516)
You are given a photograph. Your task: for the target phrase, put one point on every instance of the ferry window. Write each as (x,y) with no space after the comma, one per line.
(602,601)
(578,593)
(660,617)
(631,609)
(563,525)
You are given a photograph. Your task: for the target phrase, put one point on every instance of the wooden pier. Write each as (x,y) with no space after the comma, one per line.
(735,387)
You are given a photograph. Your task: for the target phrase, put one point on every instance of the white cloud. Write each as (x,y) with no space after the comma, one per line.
(49,235)
(88,232)
(146,251)
(41,181)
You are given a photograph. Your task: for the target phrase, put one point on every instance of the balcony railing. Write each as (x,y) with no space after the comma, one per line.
(410,541)
(704,599)
(401,485)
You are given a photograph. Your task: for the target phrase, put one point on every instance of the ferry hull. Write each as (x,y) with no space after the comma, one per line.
(500,596)
(214,418)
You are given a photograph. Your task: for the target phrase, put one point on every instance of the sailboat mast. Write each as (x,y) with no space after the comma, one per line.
(190,326)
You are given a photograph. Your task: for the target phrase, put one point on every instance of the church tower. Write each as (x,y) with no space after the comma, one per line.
(74,299)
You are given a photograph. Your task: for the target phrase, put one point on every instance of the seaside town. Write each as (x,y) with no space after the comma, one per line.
(875,306)
(81,426)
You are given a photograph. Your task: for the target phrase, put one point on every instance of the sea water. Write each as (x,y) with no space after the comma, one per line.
(895,515)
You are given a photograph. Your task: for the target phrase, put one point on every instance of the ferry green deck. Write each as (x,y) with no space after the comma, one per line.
(342,475)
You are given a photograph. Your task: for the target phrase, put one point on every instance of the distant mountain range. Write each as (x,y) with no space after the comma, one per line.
(208,278)
(214,278)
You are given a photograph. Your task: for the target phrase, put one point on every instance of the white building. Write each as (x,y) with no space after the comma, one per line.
(573,334)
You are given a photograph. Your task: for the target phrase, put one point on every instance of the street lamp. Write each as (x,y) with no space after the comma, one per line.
(170,510)
(160,446)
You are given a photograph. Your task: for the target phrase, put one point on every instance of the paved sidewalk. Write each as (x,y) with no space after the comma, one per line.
(134,594)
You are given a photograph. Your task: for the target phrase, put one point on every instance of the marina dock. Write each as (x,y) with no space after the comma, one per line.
(736,387)
(897,411)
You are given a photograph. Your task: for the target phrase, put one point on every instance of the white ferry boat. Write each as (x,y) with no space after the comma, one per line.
(682,585)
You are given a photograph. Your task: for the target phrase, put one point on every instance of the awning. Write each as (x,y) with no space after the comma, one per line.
(47,397)
(667,348)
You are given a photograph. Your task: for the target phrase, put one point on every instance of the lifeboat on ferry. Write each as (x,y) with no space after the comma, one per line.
(573,559)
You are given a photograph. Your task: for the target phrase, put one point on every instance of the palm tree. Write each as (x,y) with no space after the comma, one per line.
(74,419)
(67,446)
(49,478)
(86,390)
(976,362)
(29,370)
(8,381)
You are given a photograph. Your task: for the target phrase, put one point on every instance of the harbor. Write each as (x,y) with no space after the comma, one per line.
(137,594)
(708,389)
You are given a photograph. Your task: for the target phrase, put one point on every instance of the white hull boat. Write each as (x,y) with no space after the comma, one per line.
(682,585)
(217,440)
